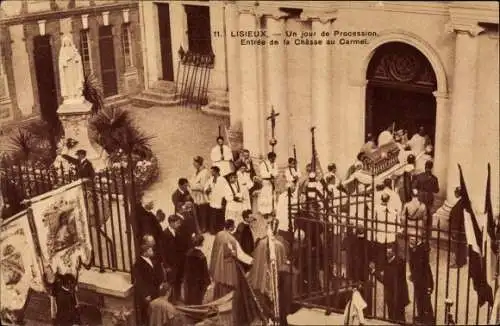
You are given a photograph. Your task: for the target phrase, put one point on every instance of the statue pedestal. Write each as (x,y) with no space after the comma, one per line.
(74,118)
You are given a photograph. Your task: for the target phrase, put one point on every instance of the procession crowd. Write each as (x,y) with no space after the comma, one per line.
(240,205)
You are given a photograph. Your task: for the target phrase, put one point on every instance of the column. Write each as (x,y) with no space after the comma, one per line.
(321,95)
(22,75)
(354,134)
(233,67)
(150,43)
(463,105)
(442,140)
(277,85)
(249,88)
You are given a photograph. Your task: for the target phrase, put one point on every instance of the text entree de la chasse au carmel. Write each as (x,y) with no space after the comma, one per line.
(289,37)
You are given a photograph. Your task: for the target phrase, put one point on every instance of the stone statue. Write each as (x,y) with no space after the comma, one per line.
(70,72)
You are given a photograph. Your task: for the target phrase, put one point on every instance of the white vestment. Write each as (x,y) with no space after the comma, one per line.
(222,156)
(417,144)
(268,171)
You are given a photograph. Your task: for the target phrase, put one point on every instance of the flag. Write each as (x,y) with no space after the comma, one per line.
(488,210)
(477,260)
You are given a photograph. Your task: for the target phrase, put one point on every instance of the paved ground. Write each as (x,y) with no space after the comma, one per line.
(180,134)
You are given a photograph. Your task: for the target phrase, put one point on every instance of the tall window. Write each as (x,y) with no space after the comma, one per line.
(85,49)
(3,80)
(126,46)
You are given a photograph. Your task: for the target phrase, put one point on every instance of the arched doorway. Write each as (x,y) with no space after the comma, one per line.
(400,89)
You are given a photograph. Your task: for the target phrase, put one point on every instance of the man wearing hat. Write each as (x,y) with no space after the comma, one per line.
(84,168)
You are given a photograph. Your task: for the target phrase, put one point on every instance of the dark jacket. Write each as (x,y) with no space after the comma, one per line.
(147,284)
(395,285)
(180,198)
(427,185)
(84,169)
(245,238)
(148,279)
(170,249)
(421,273)
(196,270)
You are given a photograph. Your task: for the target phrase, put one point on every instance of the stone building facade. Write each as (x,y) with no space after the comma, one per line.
(405,63)
(196,26)
(106,33)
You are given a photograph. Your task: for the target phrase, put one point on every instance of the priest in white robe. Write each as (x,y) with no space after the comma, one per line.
(222,156)
(419,141)
(268,174)
(246,183)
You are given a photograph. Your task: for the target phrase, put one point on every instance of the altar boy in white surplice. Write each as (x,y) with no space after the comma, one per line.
(222,156)
(246,184)
(235,202)
(292,174)
(268,173)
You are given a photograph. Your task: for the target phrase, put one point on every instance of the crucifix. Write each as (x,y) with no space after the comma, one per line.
(272,117)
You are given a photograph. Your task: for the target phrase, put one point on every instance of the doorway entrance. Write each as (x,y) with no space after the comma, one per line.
(165,41)
(108,67)
(199,35)
(45,78)
(399,91)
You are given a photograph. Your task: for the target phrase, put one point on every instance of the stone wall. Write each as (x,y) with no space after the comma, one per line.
(20,23)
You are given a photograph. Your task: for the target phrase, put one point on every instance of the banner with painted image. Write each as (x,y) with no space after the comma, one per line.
(60,218)
(19,267)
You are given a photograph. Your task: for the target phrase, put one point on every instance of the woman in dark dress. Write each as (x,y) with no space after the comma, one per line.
(196,276)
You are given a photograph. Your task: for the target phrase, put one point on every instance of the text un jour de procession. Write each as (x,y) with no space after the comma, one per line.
(263,37)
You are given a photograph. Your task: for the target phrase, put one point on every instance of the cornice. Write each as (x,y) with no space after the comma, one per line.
(479,11)
(464,26)
(323,16)
(65,13)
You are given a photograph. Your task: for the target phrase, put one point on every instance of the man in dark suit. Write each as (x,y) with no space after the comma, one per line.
(181,195)
(173,254)
(196,276)
(244,233)
(149,277)
(421,276)
(393,276)
(427,185)
(84,168)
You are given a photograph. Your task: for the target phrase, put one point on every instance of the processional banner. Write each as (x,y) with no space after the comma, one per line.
(19,267)
(62,228)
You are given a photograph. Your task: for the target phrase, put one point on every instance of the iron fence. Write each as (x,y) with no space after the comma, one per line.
(108,200)
(339,243)
(193,77)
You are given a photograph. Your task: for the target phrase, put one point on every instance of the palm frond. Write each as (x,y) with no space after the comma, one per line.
(92,92)
(22,144)
(114,130)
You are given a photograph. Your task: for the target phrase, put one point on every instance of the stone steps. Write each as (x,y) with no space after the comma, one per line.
(116,101)
(218,104)
(155,97)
